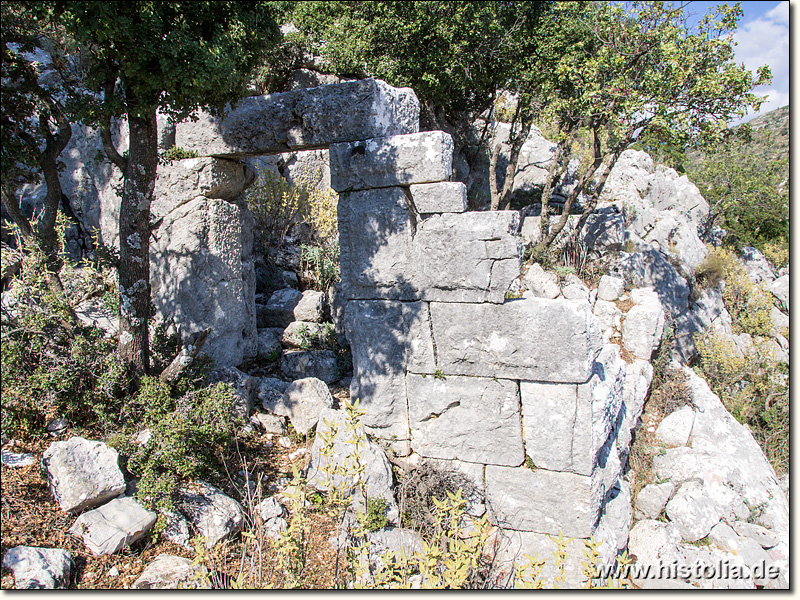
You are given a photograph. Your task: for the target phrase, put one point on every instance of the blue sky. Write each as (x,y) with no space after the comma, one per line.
(762,38)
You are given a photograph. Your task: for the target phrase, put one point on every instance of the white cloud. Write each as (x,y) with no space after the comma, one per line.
(765,41)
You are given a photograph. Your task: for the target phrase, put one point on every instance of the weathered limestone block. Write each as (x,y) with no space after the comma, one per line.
(270,391)
(574,289)
(675,428)
(213,514)
(181,181)
(568,425)
(638,375)
(305,399)
(610,288)
(532,339)
(466,418)
(652,499)
(642,328)
(202,275)
(38,568)
(375,235)
(304,118)
(468,257)
(304,334)
(377,474)
(656,544)
(298,364)
(114,525)
(542,284)
(443,197)
(386,336)
(528,500)
(289,305)
(693,511)
(82,473)
(780,289)
(425,157)
(168,572)
(604,230)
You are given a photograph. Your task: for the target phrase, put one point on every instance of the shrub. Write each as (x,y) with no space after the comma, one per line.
(178,153)
(754,388)
(278,205)
(319,265)
(189,437)
(50,365)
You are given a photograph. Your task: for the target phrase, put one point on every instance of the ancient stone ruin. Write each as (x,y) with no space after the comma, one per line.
(519,393)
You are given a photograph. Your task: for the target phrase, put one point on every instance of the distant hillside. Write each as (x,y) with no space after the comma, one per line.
(770,139)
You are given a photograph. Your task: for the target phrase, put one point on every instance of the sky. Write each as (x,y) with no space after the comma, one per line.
(762,38)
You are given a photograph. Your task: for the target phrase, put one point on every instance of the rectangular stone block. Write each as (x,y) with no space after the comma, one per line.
(531,339)
(466,418)
(202,276)
(543,501)
(467,257)
(304,119)
(567,426)
(425,157)
(443,197)
(181,181)
(381,335)
(375,237)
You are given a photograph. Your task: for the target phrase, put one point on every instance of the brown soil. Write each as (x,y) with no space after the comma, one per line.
(31,517)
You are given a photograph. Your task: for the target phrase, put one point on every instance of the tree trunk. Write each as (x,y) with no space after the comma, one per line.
(553,175)
(502,198)
(134,242)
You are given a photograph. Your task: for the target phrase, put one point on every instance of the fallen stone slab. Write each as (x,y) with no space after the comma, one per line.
(301,364)
(642,329)
(425,157)
(693,511)
(304,119)
(652,499)
(213,514)
(38,568)
(305,399)
(168,572)
(270,392)
(113,526)
(82,473)
(610,288)
(269,423)
(337,469)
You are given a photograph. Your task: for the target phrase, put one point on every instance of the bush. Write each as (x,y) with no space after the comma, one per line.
(278,205)
(188,437)
(319,266)
(748,304)
(50,365)
(754,387)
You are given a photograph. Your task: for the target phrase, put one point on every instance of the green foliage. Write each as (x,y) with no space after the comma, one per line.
(50,366)
(455,55)
(189,437)
(178,153)
(375,516)
(439,374)
(319,265)
(278,205)
(754,387)
(748,192)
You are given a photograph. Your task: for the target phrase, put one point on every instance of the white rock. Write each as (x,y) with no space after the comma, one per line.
(652,499)
(446,196)
(642,329)
(82,473)
(655,544)
(305,399)
(377,475)
(270,508)
(676,427)
(169,572)
(693,511)
(214,515)
(543,284)
(610,288)
(760,534)
(113,526)
(38,568)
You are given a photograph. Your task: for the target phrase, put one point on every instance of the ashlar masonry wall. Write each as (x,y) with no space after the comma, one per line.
(520,394)
(448,368)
